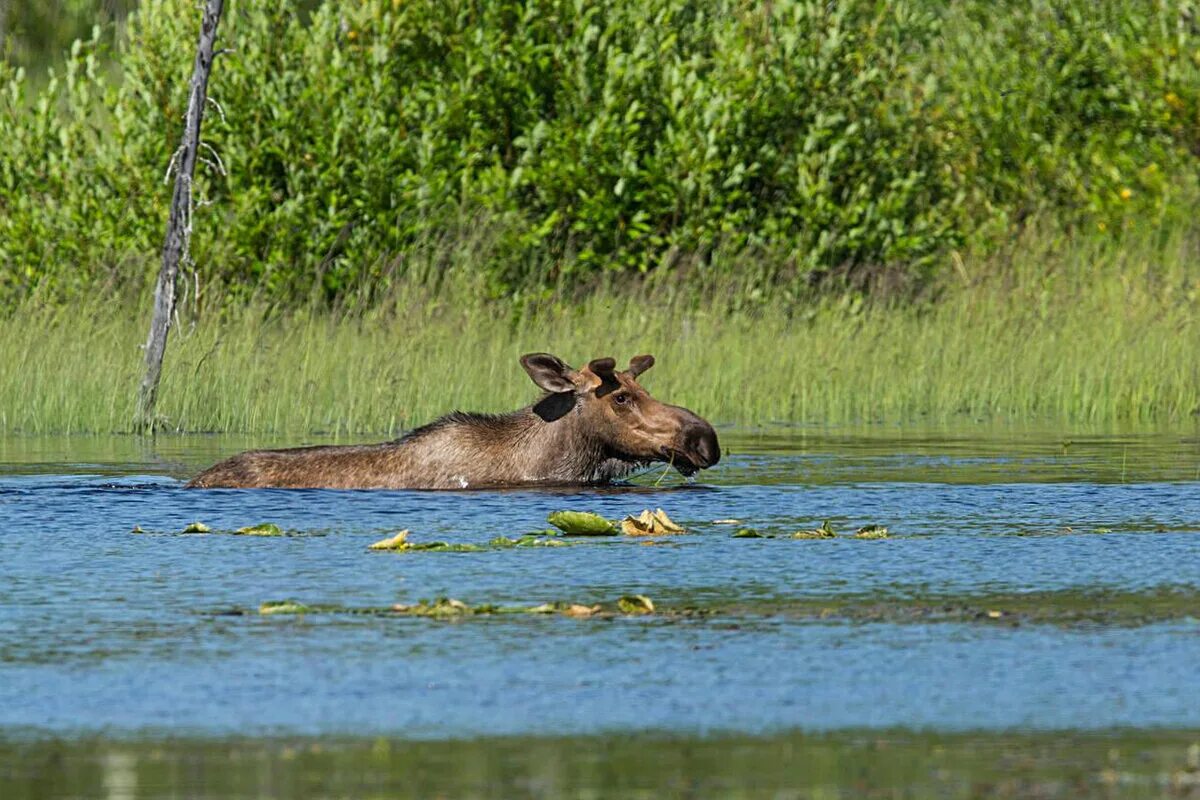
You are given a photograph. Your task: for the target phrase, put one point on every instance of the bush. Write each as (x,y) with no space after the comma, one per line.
(571,138)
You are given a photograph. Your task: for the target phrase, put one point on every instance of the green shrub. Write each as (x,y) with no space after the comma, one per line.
(564,139)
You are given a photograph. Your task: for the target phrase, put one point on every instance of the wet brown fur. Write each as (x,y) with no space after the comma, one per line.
(602,426)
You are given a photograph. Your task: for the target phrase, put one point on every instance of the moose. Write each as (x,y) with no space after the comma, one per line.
(592,426)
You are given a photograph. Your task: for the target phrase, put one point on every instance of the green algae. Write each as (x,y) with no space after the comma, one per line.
(196,527)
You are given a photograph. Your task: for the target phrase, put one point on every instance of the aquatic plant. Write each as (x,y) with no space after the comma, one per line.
(826,531)
(581,523)
(283,607)
(635,604)
(650,523)
(872,532)
(504,542)
(261,529)
(748,533)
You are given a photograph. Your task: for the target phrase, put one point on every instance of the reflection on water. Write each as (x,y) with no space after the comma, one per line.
(846,764)
(107,632)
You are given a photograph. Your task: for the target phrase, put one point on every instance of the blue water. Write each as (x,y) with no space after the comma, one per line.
(103,630)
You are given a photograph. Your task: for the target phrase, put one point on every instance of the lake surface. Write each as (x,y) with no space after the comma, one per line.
(1032,582)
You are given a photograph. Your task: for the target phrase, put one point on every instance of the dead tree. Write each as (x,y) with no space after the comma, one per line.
(179,224)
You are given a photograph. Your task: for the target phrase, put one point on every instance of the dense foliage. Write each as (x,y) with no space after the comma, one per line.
(564,139)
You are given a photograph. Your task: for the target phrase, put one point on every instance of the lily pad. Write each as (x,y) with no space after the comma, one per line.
(650,523)
(872,532)
(581,523)
(747,533)
(636,604)
(261,529)
(196,527)
(283,607)
(826,531)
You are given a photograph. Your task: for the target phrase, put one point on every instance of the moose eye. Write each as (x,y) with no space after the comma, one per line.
(621,398)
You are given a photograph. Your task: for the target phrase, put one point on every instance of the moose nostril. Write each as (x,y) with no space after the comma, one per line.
(703,443)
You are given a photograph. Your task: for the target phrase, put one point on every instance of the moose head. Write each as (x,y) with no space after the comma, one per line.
(611,408)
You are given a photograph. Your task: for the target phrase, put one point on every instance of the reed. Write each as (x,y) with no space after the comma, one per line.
(1063,328)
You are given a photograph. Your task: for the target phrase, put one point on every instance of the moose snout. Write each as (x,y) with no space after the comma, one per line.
(700,443)
(703,444)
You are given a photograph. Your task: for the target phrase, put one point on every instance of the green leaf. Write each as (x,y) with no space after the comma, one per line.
(581,523)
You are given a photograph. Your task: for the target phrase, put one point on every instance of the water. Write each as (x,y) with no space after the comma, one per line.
(136,637)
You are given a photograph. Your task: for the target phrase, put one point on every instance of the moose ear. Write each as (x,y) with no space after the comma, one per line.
(549,372)
(602,367)
(639,364)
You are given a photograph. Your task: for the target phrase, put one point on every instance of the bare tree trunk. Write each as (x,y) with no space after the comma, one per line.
(179,225)
(3,21)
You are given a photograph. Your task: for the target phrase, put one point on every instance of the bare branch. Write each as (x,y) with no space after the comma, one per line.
(176,247)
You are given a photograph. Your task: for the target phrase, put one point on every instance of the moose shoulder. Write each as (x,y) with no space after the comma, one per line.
(591,426)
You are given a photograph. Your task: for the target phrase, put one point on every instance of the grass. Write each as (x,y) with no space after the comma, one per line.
(1091,328)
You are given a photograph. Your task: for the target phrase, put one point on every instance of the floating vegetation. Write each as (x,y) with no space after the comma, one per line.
(528,540)
(442,607)
(826,531)
(635,604)
(450,608)
(650,523)
(447,547)
(283,607)
(397,542)
(578,610)
(748,533)
(261,529)
(581,523)
(400,542)
(1129,528)
(872,532)
(1061,608)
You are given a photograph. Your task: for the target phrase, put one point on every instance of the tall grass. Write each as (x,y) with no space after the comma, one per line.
(1062,328)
